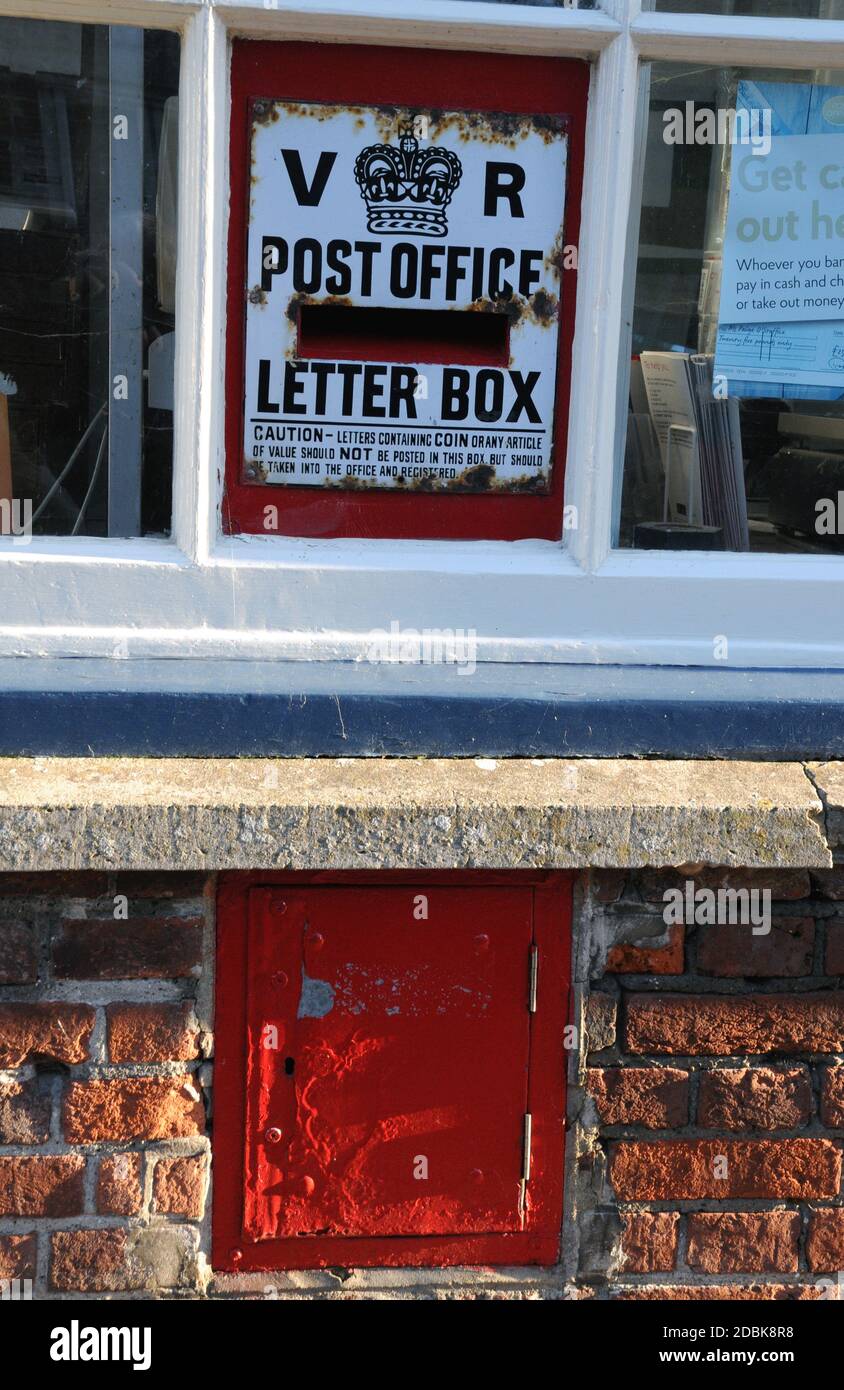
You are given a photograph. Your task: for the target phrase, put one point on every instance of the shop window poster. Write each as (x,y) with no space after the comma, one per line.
(781,312)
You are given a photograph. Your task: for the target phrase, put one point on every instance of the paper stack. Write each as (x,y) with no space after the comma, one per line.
(700,442)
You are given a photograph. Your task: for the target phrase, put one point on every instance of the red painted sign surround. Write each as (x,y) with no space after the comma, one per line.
(375,1066)
(349,76)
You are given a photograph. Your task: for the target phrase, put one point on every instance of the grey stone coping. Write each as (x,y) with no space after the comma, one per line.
(346,813)
(828,778)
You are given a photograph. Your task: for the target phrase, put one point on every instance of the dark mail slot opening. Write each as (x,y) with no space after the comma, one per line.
(462,337)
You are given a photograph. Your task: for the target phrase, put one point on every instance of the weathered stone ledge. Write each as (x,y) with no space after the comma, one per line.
(138,813)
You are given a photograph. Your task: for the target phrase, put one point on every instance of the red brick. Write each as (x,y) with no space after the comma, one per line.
(60,1032)
(17,1256)
(655,1097)
(18,953)
(24,1113)
(717,1025)
(744,1242)
(787,949)
(628,958)
(179,1186)
(52,884)
(835,948)
(825,1244)
(42,1185)
(105,1261)
(141,948)
(138,1107)
(828,883)
(755,1098)
(152,1033)
(93,1262)
(649,1242)
(784,885)
(119,1185)
(832,1098)
(725,1293)
(152,884)
(676,1169)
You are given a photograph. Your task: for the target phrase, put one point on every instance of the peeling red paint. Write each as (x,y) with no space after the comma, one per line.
(427,1052)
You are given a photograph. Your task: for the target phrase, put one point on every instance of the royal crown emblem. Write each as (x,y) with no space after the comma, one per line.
(407,189)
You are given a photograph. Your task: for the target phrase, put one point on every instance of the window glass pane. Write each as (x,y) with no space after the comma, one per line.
(761,9)
(88,118)
(735,435)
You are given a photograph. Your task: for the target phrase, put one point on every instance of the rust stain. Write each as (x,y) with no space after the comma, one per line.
(481,477)
(490,127)
(555,260)
(530,482)
(388,119)
(511,308)
(312,110)
(541,308)
(265,112)
(544,307)
(550,127)
(350,484)
(295,303)
(257,295)
(494,127)
(293,306)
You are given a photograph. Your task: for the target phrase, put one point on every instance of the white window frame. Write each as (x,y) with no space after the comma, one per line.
(205,595)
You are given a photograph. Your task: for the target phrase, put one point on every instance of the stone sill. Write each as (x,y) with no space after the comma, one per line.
(350,813)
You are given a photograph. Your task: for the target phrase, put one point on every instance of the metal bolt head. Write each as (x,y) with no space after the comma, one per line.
(481,943)
(280,979)
(236,1256)
(273,1135)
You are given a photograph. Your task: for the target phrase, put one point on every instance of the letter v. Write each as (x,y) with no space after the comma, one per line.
(308,195)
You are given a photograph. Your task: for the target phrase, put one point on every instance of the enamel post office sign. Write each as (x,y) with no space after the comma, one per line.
(403,286)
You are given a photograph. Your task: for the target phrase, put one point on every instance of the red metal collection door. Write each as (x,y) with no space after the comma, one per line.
(388,1078)
(390,1068)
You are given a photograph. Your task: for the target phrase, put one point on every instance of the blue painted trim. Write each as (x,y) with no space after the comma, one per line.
(289,709)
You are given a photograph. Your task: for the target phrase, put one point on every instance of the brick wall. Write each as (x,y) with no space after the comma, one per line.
(709,1126)
(105,993)
(706,1131)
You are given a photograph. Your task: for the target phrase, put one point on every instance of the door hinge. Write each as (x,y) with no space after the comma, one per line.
(527,1131)
(533,979)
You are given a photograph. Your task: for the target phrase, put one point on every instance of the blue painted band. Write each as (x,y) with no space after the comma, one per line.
(292,709)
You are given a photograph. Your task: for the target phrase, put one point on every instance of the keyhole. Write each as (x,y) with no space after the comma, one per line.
(289,1064)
